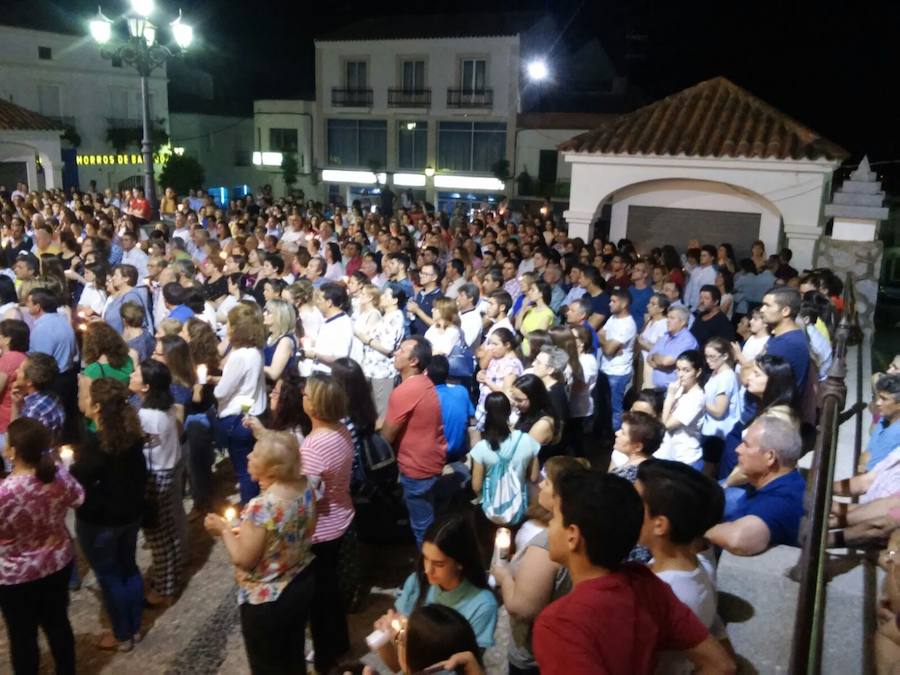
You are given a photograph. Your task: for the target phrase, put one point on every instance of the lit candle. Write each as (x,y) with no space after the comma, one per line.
(201,373)
(230,514)
(246,402)
(66,455)
(224,255)
(82,315)
(502,543)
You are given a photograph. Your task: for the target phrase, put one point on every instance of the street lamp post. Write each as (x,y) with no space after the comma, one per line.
(142,51)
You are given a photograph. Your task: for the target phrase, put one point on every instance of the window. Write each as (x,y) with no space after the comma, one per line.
(413,75)
(470,146)
(283,140)
(116,62)
(45,53)
(48,100)
(357,142)
(412,144)
(357,75)
(473,75)
(118,103)
(547,162)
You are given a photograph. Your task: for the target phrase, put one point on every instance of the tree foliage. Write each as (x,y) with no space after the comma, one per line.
(182,173)
(290,169)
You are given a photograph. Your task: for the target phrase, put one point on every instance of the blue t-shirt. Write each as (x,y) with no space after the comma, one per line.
(793,347)
(456,411)
(884,440)
(478,606)
(640,298)
(599,303)
(778,504)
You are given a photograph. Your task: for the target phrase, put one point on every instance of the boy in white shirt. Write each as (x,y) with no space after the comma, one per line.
(617,339)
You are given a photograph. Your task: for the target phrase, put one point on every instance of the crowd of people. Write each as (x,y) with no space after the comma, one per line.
(621,415)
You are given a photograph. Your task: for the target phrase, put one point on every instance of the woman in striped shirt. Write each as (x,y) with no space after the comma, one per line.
(327,455)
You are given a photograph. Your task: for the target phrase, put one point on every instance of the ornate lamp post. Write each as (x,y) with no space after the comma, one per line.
(141,51)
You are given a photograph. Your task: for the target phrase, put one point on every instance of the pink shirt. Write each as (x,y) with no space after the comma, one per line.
(34,542)
(9,364)
(327,458)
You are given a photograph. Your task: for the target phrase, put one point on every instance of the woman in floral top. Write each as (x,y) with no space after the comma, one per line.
(502,370)
(271,552)
(35,549)
(380,344)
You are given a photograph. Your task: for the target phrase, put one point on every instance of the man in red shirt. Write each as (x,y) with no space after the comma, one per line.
(139,207)
(414,426)
(618,616)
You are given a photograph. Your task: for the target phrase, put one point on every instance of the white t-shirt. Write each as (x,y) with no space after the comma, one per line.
(652,332)
(726,383)
(753,347)
(162,447)
(335,339)
(623,330)
(581,403)
(243,378)
(442,340)
(471,327)
(683,443)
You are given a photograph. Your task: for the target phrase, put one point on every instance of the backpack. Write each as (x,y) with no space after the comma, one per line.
(504,494)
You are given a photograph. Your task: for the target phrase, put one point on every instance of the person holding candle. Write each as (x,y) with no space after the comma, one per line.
(449,573)
(531,580)
(271,551)
(37,556)
(243,385)
(151,383)
(328,462)
(111,467)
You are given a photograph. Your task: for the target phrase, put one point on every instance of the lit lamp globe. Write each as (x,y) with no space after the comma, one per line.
(101,29)
(182,32)
(142,7)
(537,70)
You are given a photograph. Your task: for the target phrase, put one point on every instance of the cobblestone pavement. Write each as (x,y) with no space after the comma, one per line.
(200,634)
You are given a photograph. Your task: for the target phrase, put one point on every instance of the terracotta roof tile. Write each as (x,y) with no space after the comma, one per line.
(16,118)
(715,118)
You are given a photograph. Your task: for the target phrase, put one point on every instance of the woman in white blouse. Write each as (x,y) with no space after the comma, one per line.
(93,297)
(334,268)
(654,329)
(444,333)
(683,412)
(241,391)
(381,341)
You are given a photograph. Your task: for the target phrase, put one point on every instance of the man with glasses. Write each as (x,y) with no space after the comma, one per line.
(420,308)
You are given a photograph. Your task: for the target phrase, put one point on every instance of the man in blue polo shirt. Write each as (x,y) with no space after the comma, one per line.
(886,436)
(779,310)
(769,512)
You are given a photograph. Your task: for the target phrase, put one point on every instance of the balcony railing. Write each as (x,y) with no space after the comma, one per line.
(470,98)
(351,98)
(123,123)
(409,98)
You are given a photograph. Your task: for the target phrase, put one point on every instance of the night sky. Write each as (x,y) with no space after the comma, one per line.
(831,65)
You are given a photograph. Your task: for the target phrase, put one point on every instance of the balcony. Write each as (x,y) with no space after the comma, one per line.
(409,98)
(470,98)
(351,98)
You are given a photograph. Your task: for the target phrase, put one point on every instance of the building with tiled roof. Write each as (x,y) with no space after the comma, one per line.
(712,162)
(29,148)
(715,118)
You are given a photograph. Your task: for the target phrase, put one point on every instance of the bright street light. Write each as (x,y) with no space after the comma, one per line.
(537,70)
(182,32)
(101,28)
(142,7)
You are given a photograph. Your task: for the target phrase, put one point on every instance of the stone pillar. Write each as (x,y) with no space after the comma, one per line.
(862,261)
(31,173)
(579,224)
(801,239)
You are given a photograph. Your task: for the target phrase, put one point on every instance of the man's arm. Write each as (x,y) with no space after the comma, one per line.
(710,657)
(596,320)
(745,536)
(610,347)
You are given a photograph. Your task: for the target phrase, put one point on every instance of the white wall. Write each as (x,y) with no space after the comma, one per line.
(705,196)
(794,189)
(86,82)
(26,146)
(215,141)
(288,114)
(529,144)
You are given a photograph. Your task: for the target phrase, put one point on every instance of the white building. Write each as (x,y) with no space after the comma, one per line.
(29,149)
(429,101)
(63,77)
(285,126)
(712,162)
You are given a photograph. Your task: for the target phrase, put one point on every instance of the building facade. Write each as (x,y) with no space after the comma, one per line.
(435,117)
(64,78)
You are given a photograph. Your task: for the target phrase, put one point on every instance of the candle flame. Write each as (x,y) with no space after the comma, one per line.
(397,625)
(230,513)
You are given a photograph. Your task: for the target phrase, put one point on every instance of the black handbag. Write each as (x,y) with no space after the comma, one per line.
(377,453)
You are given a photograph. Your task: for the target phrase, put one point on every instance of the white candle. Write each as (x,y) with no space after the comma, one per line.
(230,514)
(502,543)
(379,638)
(246,402)
(66,455)
(201,373)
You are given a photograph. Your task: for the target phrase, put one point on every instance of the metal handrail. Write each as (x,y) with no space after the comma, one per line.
(809,624)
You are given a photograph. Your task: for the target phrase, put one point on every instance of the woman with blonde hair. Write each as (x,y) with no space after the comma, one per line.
(241,391)
(444,334)
(328,463)
(280,350)
(310,316)
(271,551)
